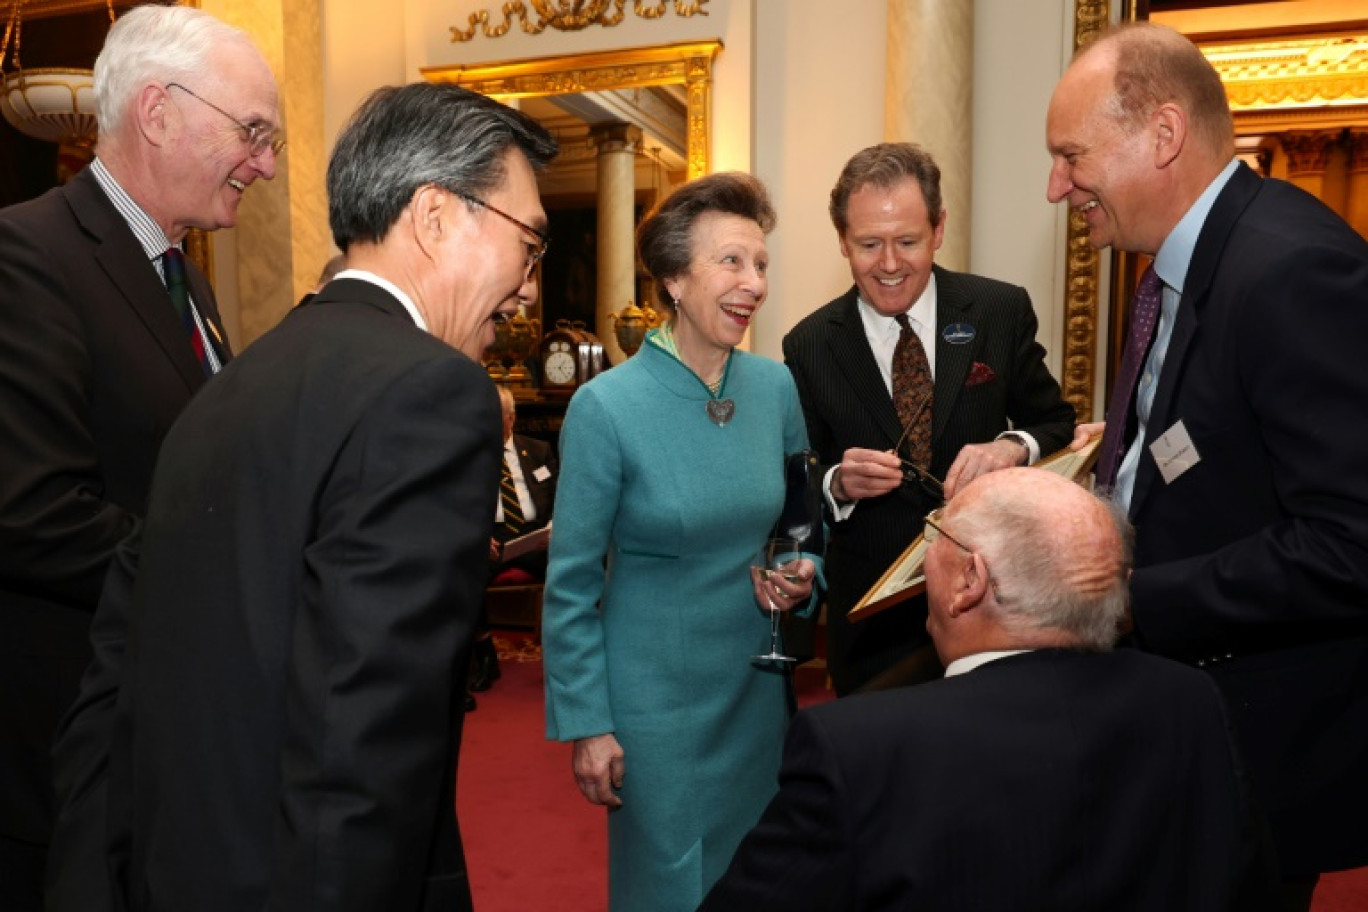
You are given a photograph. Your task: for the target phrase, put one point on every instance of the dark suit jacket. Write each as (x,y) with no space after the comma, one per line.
(94,367)
(1255,561)
(847,405)
(307,581)
(534,454)
(1051,781)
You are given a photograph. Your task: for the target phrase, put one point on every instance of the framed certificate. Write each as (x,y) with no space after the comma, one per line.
(904,578)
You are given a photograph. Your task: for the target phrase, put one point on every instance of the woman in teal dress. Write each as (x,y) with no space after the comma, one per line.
(672,476)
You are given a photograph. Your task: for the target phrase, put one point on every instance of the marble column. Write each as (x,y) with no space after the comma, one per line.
(616,155)
(929,101)
(282,240)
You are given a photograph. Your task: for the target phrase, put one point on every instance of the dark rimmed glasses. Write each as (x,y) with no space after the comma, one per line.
(534,251)
(259,137)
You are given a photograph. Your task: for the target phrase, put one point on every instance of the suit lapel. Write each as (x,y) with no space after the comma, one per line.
(953,305)
(1230,204)
(132,274)
(203,296)
(850,350)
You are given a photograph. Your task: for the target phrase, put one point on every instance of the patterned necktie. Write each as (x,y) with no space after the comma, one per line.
(1144,317)
(508,499)
(173,265)
(912,386)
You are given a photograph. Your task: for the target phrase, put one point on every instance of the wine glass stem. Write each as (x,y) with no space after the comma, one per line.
(774,629)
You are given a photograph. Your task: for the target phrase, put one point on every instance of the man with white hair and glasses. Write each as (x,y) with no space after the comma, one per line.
(106,332)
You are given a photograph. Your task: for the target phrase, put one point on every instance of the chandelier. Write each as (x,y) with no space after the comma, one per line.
(55,104)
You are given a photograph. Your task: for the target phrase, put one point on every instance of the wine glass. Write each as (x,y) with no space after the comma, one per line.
(781,556)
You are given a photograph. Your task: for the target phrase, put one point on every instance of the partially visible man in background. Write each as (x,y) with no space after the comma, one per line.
(527,494)
(106,331)
(1235,436)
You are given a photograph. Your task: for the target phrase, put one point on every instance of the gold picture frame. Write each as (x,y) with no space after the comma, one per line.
(684,63)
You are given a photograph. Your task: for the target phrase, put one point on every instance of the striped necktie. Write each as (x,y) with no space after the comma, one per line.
(912,389)
(173,266)
(508,499)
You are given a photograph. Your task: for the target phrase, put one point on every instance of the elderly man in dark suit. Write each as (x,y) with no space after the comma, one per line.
(100,349)
(1240,452)
(915,376)
(1045,772)
(315,549)
(527,494)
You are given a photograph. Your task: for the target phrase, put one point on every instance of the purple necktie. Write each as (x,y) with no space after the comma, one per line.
(1144,317)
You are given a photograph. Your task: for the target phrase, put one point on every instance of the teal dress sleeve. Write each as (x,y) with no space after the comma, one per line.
(587,497)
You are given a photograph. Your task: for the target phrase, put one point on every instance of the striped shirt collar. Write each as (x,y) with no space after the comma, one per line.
(143,226)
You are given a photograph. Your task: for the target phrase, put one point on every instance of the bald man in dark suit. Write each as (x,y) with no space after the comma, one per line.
(1044,773)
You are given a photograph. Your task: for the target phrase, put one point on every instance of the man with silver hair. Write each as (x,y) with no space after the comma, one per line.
(105,334)
(289,701)
(1045,772)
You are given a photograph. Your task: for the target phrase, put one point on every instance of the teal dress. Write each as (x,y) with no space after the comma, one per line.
(659,512)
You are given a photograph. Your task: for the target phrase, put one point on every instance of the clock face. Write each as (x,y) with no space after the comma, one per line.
(560,367)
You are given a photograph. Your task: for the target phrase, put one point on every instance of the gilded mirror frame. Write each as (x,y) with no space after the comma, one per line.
(685,63)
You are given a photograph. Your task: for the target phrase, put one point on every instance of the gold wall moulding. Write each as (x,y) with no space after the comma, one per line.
(1299,73)
(688,64)
(570,15)
(1081,264)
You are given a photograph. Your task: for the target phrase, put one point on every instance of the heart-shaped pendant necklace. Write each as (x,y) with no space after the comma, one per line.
(721,411)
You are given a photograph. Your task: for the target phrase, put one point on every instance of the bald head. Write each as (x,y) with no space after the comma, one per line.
(1152,65)
(1058,558)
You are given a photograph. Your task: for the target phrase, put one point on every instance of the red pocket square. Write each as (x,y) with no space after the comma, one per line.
(979,373)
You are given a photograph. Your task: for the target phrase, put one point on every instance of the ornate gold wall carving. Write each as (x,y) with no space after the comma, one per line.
(570,15)
(672,64)
(1082,266)
(1303,72)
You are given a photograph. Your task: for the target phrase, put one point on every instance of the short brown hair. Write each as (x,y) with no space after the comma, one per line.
(885,166)
(665,236)
(1156,65)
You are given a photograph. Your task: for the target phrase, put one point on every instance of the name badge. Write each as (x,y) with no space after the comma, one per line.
(541,473)
(1175,453)
(959,333)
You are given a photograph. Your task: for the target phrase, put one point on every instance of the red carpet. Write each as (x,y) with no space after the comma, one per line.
(532,842)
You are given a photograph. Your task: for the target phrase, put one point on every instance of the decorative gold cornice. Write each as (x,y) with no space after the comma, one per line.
(687,63)
(1297,73)
(1082,265)
(570,15)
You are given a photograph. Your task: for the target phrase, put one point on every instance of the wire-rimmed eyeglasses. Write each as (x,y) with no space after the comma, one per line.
(934,530)
(259,137)
(534,251)
(913,473)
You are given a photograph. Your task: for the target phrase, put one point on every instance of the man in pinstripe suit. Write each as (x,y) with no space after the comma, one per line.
(994,403)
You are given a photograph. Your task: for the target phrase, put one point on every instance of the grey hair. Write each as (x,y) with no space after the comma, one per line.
(403,138)
(154,44)
(506,400)
(1030,571)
